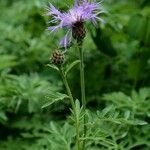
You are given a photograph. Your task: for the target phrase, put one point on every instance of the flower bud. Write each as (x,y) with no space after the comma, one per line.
(78,31)
(57,58)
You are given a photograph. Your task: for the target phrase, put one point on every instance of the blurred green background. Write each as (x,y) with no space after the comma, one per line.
(117,62)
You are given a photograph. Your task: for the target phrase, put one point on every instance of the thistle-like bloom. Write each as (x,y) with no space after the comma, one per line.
(74,19)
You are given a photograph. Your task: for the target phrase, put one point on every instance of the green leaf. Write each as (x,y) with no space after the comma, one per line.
(107,110)
(140,122)
(127,114)
(55,97)
(3,116)
(71,66)
(7,61)
(78,114)
(53,66)
(61,135)
(78,109)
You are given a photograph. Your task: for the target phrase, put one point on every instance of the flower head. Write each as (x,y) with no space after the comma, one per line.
(74,19)
(57,58)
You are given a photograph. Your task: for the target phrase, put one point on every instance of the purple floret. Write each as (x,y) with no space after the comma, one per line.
(80,12)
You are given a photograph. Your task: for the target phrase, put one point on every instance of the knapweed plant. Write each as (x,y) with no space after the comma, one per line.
(108,126)
(74,22)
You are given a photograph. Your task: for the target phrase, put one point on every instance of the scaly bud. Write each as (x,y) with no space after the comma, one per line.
(57,58)
(78,31)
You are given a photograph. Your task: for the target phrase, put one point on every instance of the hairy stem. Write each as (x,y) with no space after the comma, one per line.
(82,88)
(73,107)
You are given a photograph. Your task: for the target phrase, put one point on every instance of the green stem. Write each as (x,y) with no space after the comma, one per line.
(73,107)
(82,89)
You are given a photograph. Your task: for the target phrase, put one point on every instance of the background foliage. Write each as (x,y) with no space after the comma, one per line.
(117,58)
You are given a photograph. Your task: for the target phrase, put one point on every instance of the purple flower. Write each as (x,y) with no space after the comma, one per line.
(73,19)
